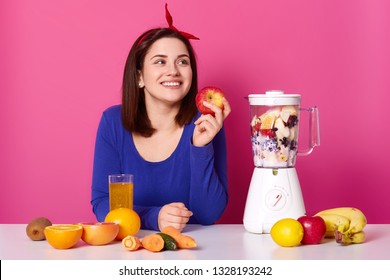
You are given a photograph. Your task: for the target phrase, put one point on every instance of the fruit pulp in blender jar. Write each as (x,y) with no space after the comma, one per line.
(274,131)
(121,195)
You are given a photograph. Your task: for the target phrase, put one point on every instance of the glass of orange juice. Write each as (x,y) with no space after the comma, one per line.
(121,188)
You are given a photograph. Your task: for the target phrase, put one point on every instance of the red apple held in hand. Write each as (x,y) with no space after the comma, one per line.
(210,94)
(314,229)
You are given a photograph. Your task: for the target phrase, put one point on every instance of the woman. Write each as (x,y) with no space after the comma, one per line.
(177,156)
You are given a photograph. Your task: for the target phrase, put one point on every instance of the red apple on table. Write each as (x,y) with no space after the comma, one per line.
(210,94)
(314,229)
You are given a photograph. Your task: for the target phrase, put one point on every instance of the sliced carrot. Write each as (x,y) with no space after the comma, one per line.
(183,241)
(131,243)
(153,242)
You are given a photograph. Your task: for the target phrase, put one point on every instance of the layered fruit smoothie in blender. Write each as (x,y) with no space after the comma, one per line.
(274,131)
(274,192)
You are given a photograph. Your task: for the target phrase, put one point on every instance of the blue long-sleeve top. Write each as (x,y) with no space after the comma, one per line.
(196,176)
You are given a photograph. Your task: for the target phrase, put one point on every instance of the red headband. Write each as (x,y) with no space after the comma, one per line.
(170,25)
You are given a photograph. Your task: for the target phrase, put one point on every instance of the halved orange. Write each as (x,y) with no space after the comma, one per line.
(63,236)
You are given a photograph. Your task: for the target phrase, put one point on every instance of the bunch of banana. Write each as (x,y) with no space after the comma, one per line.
(345,224)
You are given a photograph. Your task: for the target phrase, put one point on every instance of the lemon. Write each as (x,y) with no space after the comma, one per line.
(287,232)
(128,220)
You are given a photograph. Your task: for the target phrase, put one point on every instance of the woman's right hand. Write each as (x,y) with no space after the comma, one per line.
(174,214)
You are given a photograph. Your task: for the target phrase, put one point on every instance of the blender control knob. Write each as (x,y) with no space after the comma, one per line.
(275,200)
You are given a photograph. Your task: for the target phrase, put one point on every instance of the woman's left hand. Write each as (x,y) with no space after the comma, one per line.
(207,126)
(174,214)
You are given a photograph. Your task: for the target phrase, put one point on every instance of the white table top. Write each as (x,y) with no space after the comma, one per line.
(216,242)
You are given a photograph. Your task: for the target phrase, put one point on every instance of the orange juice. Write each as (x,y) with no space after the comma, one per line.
(121,195)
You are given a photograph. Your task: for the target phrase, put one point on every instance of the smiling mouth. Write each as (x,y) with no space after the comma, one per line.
(171,84)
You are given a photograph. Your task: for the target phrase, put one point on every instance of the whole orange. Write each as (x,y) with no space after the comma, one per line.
(128,220)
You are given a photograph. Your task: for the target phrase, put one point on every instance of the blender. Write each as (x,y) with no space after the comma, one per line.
(274,192)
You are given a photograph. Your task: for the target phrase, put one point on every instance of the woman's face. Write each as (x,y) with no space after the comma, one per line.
(166,72)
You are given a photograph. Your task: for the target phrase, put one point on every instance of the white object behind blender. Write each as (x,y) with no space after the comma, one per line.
(274,192)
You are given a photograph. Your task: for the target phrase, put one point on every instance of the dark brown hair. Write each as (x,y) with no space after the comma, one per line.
(134,115)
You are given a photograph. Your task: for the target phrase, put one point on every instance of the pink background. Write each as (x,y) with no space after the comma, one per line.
(61,65)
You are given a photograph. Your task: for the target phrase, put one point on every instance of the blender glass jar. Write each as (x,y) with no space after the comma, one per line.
(274,128)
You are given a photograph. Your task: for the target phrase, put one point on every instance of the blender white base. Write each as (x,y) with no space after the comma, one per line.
(273,194)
